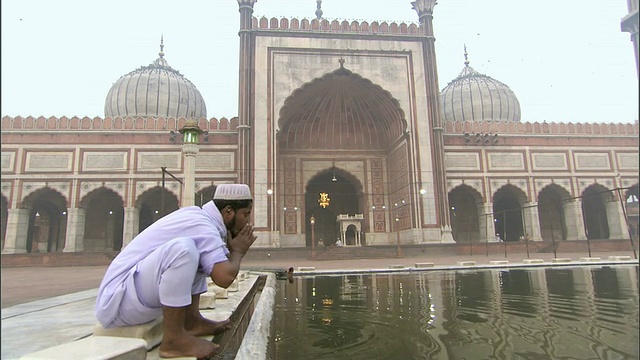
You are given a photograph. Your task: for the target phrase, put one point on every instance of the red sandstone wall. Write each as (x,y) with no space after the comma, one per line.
(544,128)
(335,26)
(108,123)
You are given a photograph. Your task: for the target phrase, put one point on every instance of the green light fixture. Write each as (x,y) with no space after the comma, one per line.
(190,132)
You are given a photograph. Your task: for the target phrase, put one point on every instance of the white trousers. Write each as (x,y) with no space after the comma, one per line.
(169,276)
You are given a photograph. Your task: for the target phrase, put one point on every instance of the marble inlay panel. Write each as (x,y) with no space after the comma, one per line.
(7,160)
(48,162)
(462,161)
(592,161)
(628,161)
(506,161)
(548,161)
(104,160)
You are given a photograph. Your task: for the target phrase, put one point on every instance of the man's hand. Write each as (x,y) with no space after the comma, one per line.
(225,272)
(243,241)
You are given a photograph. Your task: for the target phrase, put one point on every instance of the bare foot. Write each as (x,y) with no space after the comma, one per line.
(187,345)
(201,326)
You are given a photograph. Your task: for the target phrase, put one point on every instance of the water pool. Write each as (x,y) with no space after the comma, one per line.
(587,312)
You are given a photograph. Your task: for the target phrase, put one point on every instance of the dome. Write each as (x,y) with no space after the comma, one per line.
(156,90)
(476,97)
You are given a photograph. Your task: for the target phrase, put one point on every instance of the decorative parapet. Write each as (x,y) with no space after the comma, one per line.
(350,217)
(335,26)
(544,128)
(118,123)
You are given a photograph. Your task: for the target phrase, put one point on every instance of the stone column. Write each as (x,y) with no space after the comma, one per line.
(573,220)
(486,226)
(616,221)
(188,191)
(75,230)
(538,279)
(16,235)
(627,280)
(440,292)
(424,8)
(582,280)
(531,221)
(245,108)
(131,225)
(492,284)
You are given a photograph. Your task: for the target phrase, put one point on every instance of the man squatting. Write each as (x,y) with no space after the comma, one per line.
(163,271)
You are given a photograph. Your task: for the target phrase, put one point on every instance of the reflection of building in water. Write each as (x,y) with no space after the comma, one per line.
(351,109)
(569,312)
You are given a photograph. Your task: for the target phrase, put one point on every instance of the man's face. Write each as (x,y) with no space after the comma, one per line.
(236,220)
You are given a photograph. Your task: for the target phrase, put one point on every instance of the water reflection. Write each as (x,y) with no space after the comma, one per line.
(552,313)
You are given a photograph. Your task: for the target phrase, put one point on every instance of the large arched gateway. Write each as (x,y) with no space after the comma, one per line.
(343,136)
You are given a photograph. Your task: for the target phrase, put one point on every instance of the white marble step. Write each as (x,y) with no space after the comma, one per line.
(150,332)
(94,348)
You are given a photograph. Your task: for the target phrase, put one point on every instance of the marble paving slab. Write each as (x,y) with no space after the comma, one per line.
(45,323)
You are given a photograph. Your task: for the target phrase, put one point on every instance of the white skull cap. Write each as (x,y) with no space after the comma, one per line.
(232,192)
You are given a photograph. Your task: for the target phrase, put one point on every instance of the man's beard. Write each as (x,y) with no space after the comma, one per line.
(232,227)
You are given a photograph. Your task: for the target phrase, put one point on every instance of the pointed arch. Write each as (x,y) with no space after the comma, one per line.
(594,210)
(346,197)
(463,208)
(512,190)
(340,110)
(203,196)
(104,220)
(339,173)
(29,198)
(551,202)
(631,197)
(98,193)
(155,203)
(4,215)
(507,212)
(47,220)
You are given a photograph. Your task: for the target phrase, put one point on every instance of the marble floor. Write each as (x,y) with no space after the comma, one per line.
(41,324)
(52,321)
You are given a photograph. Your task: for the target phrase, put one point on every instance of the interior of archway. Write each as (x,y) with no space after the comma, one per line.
(463,206)
(340,116)
(631,204)
(47,221)
(154,204)
(204,195)
(104,220)
(4,209)
(340,110)
(344,199)
(507,213)
(350,235)
(595,213)
(551,213)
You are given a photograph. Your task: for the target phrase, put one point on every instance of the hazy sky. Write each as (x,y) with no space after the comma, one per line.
(566,60)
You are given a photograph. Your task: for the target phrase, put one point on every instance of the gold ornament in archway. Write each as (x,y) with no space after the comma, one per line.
(324,200)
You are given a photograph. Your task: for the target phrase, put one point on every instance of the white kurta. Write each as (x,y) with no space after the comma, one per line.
(163,266)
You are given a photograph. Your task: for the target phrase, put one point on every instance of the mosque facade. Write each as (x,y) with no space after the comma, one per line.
(343,122)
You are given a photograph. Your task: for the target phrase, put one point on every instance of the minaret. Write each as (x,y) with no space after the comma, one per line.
(424,8)
(629,24)
(245,107)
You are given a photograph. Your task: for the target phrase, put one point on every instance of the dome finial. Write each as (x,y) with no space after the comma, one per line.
(466,56)
(161,53)
(319,9)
